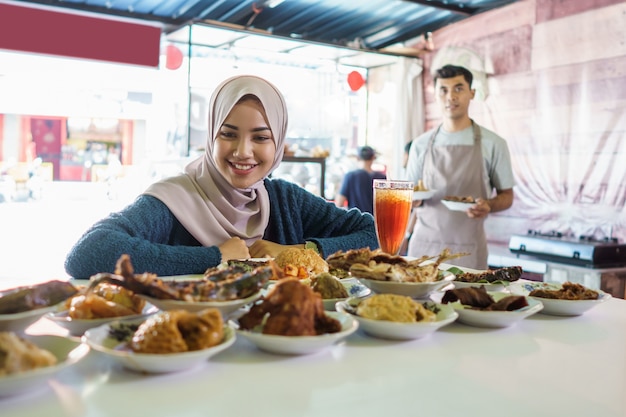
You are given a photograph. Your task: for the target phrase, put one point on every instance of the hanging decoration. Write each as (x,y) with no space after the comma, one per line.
(173,57)
(355,80)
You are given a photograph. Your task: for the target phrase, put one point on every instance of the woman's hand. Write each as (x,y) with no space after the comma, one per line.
(234,248)
(266,249)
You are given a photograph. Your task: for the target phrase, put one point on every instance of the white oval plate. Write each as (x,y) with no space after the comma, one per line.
(423,195)
(396,330)
(457,205)
(67,351)
(77,327)
(496,319)
(556,307)
(18,322)
(462,284)
(300,345)
(225,307)
(410,289)
(98,338)
(354,288)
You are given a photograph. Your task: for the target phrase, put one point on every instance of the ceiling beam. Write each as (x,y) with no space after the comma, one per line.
(442,5)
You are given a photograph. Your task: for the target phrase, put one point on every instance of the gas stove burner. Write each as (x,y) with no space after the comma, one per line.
(595,239)
(552,233)
(587,250)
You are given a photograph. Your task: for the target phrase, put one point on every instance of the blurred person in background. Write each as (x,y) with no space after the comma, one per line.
(357,185)
(224,206)
(458,158)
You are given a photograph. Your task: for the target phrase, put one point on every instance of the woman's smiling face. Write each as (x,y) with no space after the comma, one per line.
(244,148)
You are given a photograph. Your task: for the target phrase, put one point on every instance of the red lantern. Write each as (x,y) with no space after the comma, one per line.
(173,57)
(355,80)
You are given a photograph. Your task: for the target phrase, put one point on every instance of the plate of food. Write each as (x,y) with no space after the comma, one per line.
(101,304)
(300,263)
(459,205)
(300,345)
(290,320)
(22,306)
(397,317)
(567,299)
(19,322)
(420,192)
(333,289)
(409,289)
(169,341)
(226,289)
(480,308)
(77,326)
(226,307)
(415,277)
(493,280)
(29,361)
(423,195)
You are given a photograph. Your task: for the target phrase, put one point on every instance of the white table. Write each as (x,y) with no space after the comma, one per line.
(543,366)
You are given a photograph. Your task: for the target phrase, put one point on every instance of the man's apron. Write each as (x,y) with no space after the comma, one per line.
(455,170)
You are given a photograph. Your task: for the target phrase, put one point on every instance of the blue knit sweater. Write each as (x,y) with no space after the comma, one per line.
(157,242)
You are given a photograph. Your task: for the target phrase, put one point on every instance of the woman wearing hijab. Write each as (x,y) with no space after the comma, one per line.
(223,206)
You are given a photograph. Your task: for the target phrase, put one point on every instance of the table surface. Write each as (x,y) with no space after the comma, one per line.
(542,366)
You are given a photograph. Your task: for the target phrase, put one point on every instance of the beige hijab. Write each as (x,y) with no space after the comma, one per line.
(207,205)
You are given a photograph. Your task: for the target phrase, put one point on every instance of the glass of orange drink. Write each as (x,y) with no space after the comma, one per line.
(392,208)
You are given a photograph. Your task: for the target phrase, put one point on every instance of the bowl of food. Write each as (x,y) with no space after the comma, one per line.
(415,277)
(290,320)
(567,299)
(458,205)
(421,192)
(77,326)
(397,317)
(423,195)
(224,288)
(19,322)
(30,361)
(165,342)
(22,306)
(333,289)
(101,304)
(480,308)
(226,307)
(491,279)
(409,289)
(300,345)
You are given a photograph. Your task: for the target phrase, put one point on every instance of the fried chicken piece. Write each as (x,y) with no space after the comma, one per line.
(290,309)
(105,300)
(203,329)
(159,334)
(179,331)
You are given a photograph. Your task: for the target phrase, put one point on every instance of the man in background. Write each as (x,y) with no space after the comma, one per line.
(357,186)
(458,158)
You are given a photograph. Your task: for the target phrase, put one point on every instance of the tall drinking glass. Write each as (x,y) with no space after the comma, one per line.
(392,208)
